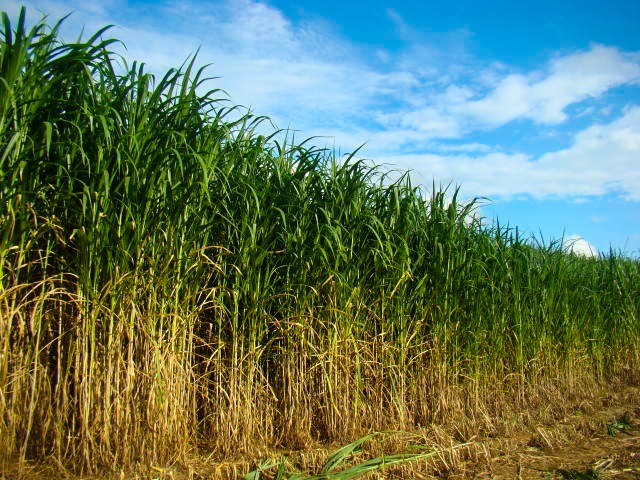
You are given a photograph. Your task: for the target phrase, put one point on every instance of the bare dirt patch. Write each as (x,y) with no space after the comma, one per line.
(602,445)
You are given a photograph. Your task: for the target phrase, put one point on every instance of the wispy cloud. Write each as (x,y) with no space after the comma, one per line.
(543,96)
(602,159)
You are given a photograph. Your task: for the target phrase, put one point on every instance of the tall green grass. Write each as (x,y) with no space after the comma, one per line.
(172,281)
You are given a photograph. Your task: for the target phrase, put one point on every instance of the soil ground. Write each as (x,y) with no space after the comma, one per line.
(601,457)
(604,444)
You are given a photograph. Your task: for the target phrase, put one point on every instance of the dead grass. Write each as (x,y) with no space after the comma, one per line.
(539,443)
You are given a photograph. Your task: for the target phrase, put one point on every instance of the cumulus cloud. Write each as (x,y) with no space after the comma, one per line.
(579,246)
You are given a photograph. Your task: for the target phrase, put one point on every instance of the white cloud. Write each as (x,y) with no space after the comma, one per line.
(429,122)
(579,246)
(544,96)
(509,100)
(490,175)
(494,98)
(473,147)
(602,159)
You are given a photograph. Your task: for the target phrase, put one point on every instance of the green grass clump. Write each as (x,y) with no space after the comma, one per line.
(339,464)
(172,280)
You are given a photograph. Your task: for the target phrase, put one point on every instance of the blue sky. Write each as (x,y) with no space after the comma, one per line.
(536,108)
